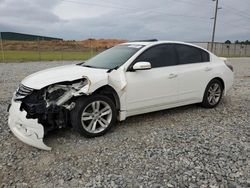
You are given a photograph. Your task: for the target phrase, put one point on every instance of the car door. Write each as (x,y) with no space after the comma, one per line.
(194,72)
(156,87)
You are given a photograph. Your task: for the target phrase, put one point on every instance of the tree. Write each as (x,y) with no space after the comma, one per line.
(238,42)
(228,42)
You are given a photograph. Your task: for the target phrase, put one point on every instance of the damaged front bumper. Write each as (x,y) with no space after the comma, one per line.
(28,131)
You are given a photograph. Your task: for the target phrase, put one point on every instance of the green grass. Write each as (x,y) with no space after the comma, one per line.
(20,56)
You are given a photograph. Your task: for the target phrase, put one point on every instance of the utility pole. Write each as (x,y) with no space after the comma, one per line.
(91,48)
(215,19)
(1,43)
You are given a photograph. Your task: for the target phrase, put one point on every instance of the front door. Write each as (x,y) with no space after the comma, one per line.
(155,87)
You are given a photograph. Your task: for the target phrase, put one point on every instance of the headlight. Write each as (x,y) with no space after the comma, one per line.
(80,84)
(82,87)
(66,90)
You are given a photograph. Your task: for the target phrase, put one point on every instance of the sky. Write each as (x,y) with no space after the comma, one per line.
(182,20)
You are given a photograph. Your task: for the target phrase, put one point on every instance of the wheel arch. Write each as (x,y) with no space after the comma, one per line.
(215,78)
(205,103)
(220,80)
(110,92)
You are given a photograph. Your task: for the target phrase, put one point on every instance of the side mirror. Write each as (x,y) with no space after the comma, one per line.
(142,65)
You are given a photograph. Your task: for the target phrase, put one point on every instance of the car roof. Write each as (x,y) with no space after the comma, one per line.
(149,43)
(145,43)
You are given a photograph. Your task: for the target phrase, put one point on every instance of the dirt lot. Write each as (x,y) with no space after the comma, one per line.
(182,147)
(60,45)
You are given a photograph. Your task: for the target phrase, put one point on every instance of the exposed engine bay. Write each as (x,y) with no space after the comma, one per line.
(47,100)
(51,105)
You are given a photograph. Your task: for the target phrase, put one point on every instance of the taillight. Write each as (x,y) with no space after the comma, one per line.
(229,65)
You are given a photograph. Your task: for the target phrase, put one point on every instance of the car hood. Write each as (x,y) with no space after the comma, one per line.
(50,76)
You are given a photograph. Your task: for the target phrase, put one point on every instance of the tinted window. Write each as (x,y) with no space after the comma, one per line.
(159,56)
(189,54)
(205,56)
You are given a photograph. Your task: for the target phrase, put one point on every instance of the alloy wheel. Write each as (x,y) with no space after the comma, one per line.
(96,117)
(214,94)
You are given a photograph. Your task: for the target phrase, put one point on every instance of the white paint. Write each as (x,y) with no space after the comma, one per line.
(28,130)
(139,91)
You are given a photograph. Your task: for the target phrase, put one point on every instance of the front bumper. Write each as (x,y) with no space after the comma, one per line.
(28,131)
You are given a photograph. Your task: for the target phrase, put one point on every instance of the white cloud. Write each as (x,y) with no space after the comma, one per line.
(135,19)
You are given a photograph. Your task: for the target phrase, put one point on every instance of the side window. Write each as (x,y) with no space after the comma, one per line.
(205,56)
(159,56)
(189,54)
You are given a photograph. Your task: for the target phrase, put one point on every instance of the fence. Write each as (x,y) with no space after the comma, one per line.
(227,50)
(41,50)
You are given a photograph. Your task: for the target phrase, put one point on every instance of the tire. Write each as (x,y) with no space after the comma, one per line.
(93,115)
(212,96)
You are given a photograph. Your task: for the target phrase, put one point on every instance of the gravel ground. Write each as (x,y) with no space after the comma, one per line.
(182,147)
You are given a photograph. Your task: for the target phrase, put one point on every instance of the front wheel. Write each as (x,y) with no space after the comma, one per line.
(213,94)
(93,115)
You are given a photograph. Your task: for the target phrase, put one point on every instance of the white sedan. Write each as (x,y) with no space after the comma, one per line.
(129,79)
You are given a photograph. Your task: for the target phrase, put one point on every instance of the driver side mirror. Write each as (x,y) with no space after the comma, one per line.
(142,65)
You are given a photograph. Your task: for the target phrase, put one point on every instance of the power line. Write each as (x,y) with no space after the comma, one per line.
(97,5)
(152,11)
(187,2)
(129,8)
(235,25)
(112,2)
(238,12)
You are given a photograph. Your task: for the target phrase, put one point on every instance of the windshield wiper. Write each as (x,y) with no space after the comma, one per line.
(89,66)
(83,64)
(115,68)
(80,63)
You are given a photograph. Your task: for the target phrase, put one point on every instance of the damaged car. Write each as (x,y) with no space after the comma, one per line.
(128,79)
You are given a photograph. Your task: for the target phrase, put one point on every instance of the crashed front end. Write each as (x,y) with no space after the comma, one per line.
(33,113)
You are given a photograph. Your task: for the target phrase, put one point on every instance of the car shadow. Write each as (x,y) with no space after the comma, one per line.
(61,136)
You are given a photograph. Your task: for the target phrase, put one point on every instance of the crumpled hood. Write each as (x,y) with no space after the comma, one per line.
(50,76)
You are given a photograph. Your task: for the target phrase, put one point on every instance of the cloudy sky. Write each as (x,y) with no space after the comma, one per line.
(184,20)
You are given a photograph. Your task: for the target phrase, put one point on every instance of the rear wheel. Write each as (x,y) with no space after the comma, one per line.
(94,115)
(213,94)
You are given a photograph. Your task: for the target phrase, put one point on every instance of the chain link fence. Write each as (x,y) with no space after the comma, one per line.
(43,50)
(227,50)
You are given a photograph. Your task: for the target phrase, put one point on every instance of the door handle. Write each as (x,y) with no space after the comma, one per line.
(172,75)
(208,69)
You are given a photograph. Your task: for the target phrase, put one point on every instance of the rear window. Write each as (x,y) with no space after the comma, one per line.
(205,56)
(189,54)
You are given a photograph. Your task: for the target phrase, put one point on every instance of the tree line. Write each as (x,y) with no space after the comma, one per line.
(237,42)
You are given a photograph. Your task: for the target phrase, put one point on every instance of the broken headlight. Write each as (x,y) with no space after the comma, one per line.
(60,93)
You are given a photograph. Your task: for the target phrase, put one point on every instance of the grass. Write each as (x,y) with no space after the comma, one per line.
(20,56)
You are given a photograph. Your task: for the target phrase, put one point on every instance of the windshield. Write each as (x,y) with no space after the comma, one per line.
(113,57)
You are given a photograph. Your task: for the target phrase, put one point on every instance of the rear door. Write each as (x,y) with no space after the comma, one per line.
(155,87)
(194,72)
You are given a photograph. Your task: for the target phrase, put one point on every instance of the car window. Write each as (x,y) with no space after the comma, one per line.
(205,56)
(113,57)
(159,56)
(189,54)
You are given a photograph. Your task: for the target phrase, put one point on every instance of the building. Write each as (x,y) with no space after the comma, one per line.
(24,37)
